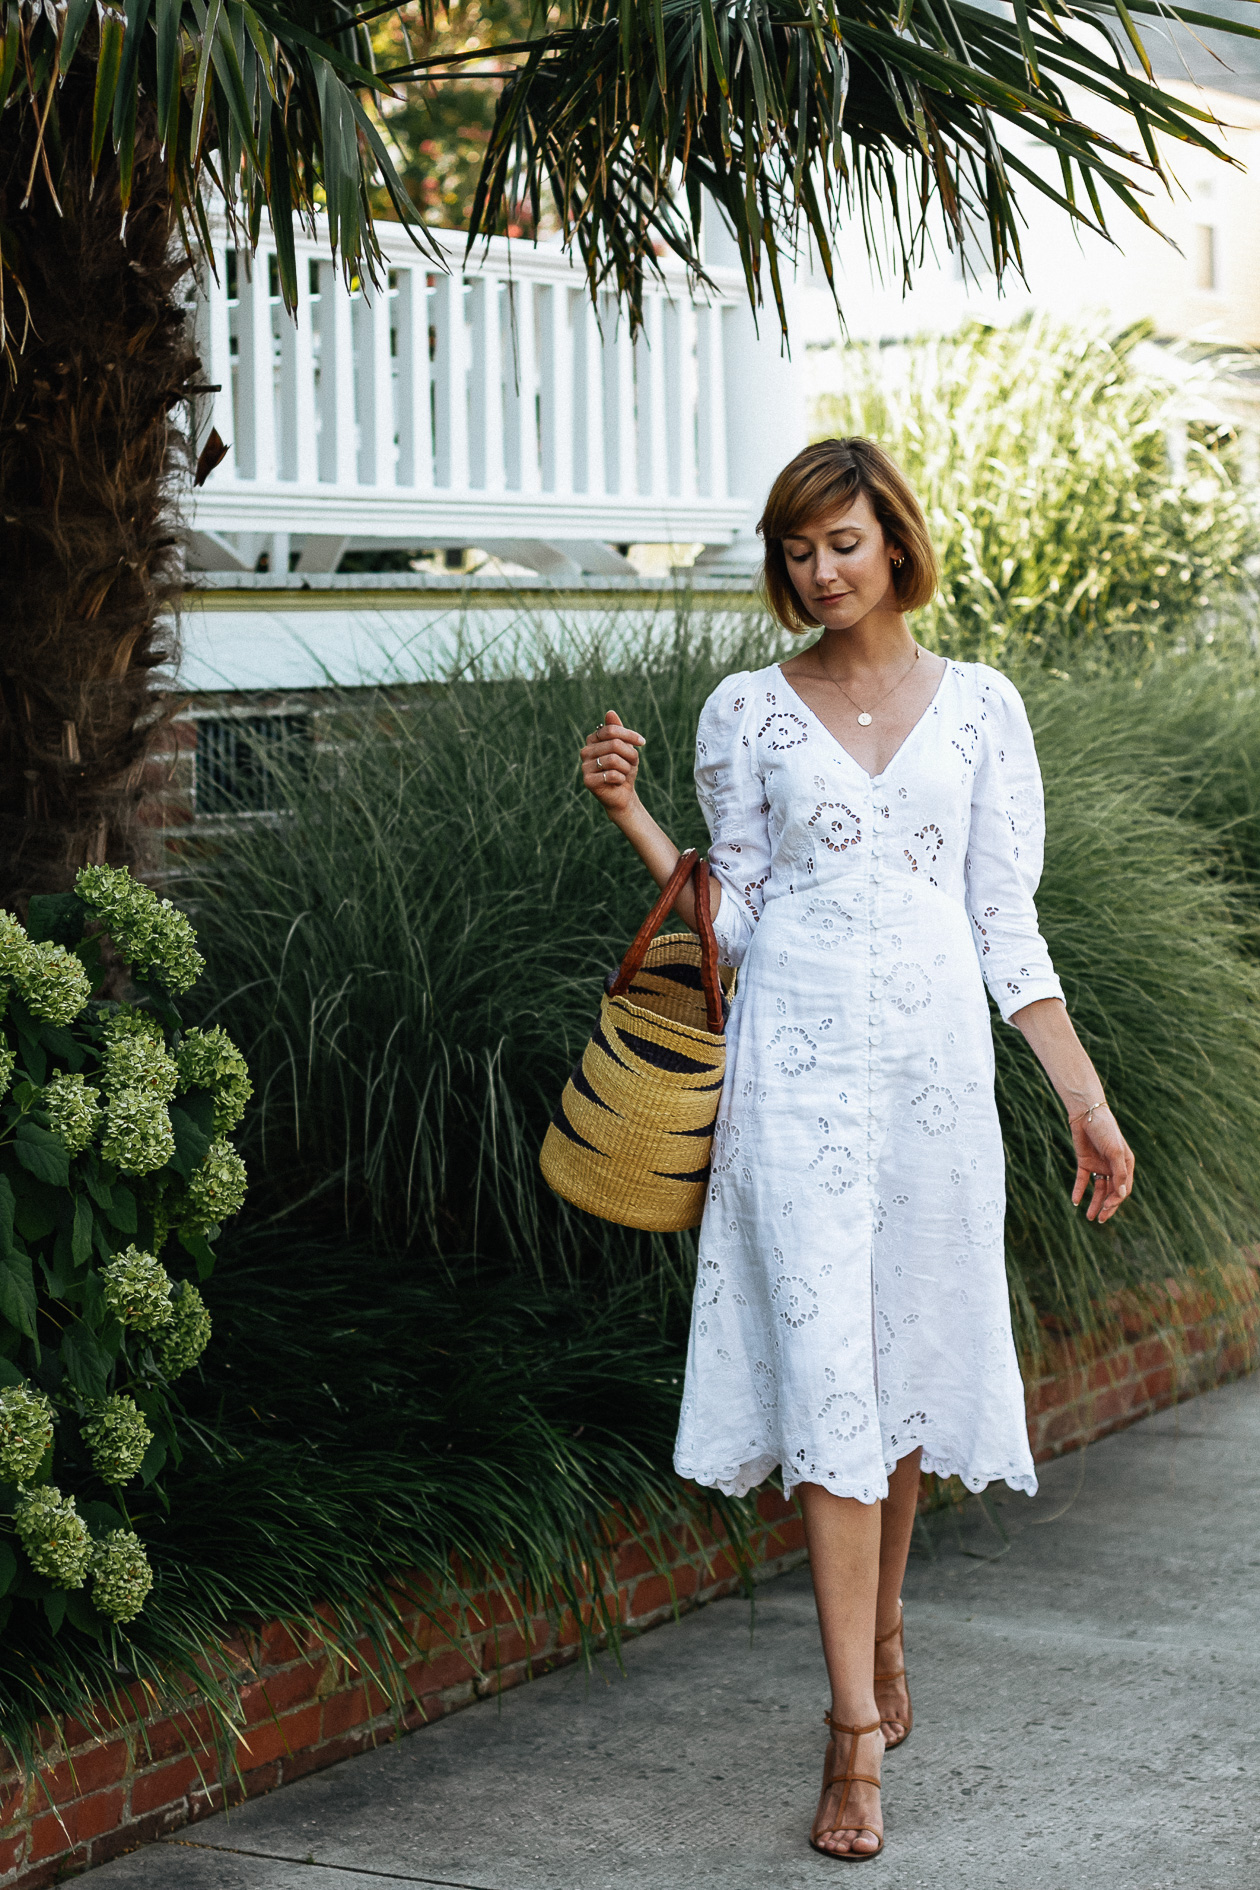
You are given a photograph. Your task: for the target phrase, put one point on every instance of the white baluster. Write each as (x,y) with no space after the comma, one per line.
(295,455)
(685,410)
(451,382)
(520,378)
(256,390)
(590,385)
(711,395)
(621,403)
(337,451)
(214,337)
(649,354)
(374,385)
(415,421)
(557,390)
(485,420)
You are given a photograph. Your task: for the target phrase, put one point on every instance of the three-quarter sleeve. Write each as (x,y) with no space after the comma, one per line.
(1004,852)
(732,798)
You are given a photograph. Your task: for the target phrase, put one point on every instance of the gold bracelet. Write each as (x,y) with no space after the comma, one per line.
(1087,1115)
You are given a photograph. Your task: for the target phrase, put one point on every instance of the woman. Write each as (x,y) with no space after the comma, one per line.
(876,818)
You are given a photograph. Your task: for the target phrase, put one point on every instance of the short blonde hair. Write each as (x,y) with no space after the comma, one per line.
(824,478)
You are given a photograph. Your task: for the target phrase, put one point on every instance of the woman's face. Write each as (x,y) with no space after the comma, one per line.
(841,565)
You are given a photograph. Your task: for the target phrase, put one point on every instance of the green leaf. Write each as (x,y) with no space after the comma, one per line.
(81,1233)
(8,1566)
(57,917)
(81,1614)
(86,1360)
(62,1043)
(42,1154)
(192,1144)
(202,1252)
(8,1208)
(121,1211)
(108,60)
(37,1206)
(153,1460)
(55,1608)
(96,1184)
(101,1517)
(78,13)
(168,50)
(17,1293)
(9,1373)
(59,1271)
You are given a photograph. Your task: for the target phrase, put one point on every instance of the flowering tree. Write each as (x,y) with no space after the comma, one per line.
(114,1151)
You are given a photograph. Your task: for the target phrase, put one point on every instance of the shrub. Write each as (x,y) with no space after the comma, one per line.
(108,1142)
(1038,452)
(417,959)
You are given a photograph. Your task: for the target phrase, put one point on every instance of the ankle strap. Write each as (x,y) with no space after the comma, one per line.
(856,1731)
(892,1632)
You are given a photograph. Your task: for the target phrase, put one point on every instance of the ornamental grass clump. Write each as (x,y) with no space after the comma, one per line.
(100,1124)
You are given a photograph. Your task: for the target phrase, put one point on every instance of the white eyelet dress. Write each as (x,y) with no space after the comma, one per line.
(851,1302)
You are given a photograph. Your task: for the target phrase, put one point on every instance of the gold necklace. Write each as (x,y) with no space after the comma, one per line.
(864,715)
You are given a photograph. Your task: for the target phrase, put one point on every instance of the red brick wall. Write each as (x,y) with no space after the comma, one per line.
(108,1788)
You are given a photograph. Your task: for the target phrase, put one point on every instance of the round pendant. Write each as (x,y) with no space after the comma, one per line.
(864,720)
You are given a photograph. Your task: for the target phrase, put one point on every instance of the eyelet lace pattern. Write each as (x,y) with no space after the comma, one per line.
(852,1305)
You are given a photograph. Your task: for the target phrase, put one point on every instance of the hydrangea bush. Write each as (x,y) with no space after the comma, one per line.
(116,1173)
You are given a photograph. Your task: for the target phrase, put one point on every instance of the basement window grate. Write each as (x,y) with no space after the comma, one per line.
(250,764)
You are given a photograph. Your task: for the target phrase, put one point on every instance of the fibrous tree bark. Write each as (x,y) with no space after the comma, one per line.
(100,365)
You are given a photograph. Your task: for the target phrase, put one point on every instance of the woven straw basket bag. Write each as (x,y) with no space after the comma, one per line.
(632,1137)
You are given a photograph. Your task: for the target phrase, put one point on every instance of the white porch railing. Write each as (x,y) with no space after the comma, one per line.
(484,406)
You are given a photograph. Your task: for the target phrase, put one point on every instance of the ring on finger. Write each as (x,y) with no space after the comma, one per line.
(599,763)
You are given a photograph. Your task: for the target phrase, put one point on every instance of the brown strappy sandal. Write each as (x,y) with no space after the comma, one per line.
(882,1680)
(848,1778)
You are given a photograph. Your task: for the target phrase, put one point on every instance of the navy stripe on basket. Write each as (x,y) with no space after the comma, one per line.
(583,1088)
(697,1174)
(561,1121)
(676,974)
(597,1036)
(662,1057)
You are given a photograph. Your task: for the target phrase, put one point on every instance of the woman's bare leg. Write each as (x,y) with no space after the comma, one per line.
(844,1559)
(896,1529)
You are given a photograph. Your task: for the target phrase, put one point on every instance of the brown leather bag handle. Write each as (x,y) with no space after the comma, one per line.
(689,863)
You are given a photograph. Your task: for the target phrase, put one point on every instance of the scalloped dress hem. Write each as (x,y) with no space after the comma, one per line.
(740,1479)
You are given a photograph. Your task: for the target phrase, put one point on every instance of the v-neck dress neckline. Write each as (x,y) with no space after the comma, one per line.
(848,753)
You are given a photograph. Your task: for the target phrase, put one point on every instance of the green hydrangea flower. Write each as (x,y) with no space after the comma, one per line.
(136,1057)
(216,1189)
(8,1062)
(188,1334)
(26,1431)
(54,1536)
(138,1290)
(138,1136)
(208,1059)
(53,983)
(117,1437)
(121,1575)
(74,1109)
(150,933)
(49,979)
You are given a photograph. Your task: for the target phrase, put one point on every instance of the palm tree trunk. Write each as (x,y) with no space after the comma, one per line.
(91,445)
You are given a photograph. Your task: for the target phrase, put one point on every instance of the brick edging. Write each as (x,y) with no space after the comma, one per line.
(107,1789)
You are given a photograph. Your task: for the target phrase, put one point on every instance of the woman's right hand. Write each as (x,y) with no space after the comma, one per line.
(610,764)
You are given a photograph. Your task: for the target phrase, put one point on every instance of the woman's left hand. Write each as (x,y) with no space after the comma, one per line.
(1105,1158)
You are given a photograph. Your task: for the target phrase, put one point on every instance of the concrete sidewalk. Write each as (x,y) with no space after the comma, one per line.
(1086,1716)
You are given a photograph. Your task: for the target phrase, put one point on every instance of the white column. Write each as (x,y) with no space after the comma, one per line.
(256,392)
(337,451)
(451,382)
(557,390)
(415,428)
